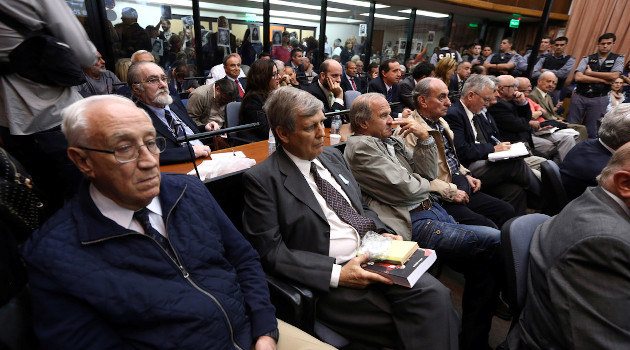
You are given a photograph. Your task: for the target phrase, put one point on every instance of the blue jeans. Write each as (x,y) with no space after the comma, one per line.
(437,230)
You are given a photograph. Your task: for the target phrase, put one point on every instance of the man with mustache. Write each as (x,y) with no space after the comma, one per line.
(148,84)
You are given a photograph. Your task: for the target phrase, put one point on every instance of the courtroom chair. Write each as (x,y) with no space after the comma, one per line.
(231,114)
(553,192)
(349,96)
(516,236)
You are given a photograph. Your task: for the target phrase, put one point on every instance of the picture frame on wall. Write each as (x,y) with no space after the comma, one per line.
(276,37)
(254,33)
(402,45)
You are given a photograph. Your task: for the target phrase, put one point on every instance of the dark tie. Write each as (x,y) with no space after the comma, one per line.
(389,96)
(460,84)
(340,205)
(476,121)
(354,86)
(176,129)
(142,216)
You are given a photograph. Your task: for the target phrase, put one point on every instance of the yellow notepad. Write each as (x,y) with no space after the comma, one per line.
(399,252)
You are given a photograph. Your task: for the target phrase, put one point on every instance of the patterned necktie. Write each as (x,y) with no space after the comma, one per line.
(389,95)
(354,86)
(480,137)
(177,130)
(142,216)
(340,205)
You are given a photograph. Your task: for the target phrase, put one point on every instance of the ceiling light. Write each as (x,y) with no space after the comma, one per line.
(311,7)
(358,3)
(377,15)
(426,13)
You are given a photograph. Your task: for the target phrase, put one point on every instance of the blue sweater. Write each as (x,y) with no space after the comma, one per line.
(97,285)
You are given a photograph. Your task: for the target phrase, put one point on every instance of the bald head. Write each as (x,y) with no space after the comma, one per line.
(615,177)
(524,85)
(506,87)
(547,82)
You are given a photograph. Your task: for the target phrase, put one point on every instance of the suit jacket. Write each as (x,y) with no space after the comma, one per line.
(467,149)
(315,90)
(406,88)
(513,121)
(387,188)
(453,88)
(545,102)
(378,85)
(174,152)
(581,166)
(346,85)
(286,225)
(577,291)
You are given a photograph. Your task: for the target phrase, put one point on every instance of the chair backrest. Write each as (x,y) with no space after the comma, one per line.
(552,188)
(516,236)
(231,113)
(349,96)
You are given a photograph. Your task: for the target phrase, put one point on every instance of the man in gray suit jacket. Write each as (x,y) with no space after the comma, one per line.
(300,234)
(577,293)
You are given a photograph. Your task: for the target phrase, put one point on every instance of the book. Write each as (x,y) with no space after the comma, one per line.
(516,150)
(408,274)
(399,252)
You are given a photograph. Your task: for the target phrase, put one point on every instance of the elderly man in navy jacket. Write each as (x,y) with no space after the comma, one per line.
(140,259)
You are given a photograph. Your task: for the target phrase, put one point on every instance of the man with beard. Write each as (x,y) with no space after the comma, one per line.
(148,84)
(328,88)
(99,81)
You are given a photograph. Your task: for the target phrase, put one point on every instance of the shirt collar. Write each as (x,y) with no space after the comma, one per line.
(618,201)
(544,94)
(121,216)
(612,151)
(469,114)
(304,165)
(326,91)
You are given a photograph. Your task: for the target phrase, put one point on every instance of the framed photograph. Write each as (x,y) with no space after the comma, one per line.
(362,29)
(402,45)
(187,21)
(430,37)
(223,37)
(166,12)
(254,33)
(157,47)
(276,38)
(416,46)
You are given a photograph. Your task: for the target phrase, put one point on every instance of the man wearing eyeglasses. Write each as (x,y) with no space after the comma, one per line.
(476,135)
(143,259)
(148,84)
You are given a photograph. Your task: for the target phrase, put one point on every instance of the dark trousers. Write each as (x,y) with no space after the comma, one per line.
(44,156)
(481,209)
(421,317)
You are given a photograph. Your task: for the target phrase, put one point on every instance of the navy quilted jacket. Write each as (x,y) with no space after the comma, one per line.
(97,285)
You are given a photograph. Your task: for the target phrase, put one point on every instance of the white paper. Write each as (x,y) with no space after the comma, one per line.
(516,150)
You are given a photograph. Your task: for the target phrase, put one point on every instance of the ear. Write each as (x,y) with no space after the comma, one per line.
(621,179)
(283,134)
(422,101)
(80,159)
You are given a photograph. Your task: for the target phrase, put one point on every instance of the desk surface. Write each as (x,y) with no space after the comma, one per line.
(258,151)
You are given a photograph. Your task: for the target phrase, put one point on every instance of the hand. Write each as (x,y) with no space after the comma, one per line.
(212,126)
(475,184)
(519,97)
(201,151)
(394,237)
(503,146)
(460,197)
(191,89)
(265,343)
(588,69)
(559,104)
(534,124)
(537,114)
(406,112)
(354,276)
(408,125)
(334,87)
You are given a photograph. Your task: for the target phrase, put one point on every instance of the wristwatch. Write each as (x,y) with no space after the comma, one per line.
(275,334)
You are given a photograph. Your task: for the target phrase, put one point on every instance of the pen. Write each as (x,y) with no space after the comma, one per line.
(495,139)
(233,153)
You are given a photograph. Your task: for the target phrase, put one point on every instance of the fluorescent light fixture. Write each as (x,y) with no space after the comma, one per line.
(377,15)
(425,13)
(294,15)
(358,3)
(305,6)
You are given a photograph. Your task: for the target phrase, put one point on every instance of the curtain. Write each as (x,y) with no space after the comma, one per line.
(589,19)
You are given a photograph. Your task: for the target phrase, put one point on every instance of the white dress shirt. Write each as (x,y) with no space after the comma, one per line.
(344,239)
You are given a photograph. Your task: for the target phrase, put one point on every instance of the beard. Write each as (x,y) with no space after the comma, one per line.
(162,97)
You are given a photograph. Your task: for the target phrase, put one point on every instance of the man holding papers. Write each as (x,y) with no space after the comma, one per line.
(474,134)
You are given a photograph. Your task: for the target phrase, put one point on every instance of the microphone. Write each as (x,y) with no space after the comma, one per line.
(208,134)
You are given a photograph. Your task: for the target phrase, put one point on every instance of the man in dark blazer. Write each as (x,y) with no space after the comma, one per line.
(148,85)
(577,290)
(351,77)
(587,159)
(387,84)
(510,180)
(458,79)
(328,88)
(296,63)
(418,72)
(302,236)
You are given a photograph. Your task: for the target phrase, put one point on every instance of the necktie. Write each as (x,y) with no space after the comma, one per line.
(340,205)
(240,89)
(354,86)
(389,95)
(480,137)
(177,130)
(460,84)
(331,98)
(142,216)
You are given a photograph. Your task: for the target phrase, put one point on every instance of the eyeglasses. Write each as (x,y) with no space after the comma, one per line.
(129,153)
(509,86)
(486,100)
(156,80)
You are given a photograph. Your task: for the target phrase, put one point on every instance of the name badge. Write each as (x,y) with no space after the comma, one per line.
(345,181)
